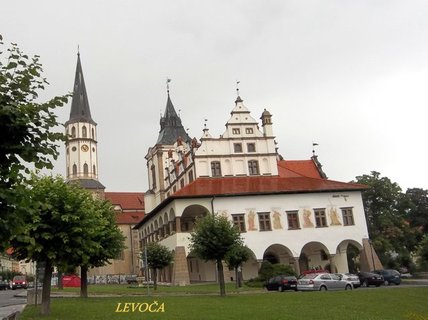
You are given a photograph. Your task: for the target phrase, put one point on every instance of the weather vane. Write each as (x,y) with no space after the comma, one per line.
(314,144)
(168,80)
(237,87)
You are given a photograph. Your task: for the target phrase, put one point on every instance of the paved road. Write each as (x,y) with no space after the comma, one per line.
(7,297)
(9,304)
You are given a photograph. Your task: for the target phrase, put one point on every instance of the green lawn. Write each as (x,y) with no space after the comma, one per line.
(373,304)
(116,289)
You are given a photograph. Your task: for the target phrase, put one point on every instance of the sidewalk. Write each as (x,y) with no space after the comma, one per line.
(8,312)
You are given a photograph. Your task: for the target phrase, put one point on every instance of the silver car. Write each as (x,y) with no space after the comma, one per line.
(323,281)
(350,277)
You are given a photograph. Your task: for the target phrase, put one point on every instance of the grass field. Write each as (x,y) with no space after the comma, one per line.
(373,304)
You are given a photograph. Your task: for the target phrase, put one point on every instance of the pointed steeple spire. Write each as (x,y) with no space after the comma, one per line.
(80,111)
(171,127)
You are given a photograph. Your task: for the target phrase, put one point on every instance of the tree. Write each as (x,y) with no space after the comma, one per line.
(100,242)
(212,238)
(423,253)
(27,137)
(418,215)
(235,257)
(386,209)
(56,227)
(158,257)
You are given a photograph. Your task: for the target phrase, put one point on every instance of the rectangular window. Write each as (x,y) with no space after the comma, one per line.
(215,169)
(248,130)
(239,222)
(190,176)
(181,183)
(237,147)
(264,221)
(293,220)
(253,167)
(236,131)
(251,147)
(320,218)
(348,217)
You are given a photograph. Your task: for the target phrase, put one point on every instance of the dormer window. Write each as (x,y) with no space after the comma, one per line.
(236,131)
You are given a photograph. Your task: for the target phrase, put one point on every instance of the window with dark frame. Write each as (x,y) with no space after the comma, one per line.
(237,147)
(253,167)
(215,169)
(236,131)
(239,222)
(264,221)
(251,147)
(320,218)
(293,220)
(348,217)
(248,130)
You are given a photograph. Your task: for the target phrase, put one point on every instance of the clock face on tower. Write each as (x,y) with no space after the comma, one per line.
(84,148)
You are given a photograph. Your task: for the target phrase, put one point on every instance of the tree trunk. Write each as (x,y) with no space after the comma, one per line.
(46,292)
(239,276)
(60,285)
(155,279)
(236,278)
(83,281)
(221,277)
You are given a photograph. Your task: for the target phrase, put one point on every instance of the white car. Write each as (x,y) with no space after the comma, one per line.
(323,281)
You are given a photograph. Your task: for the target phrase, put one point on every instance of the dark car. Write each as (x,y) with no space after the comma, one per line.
(370,279)
(19,282)
(390,276)
(281,283)
(4,285)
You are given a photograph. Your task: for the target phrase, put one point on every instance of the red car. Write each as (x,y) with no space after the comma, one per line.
(19,282)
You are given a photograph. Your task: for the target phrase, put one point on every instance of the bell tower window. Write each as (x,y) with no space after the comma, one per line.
(84,132)
(74,169)
(73,132)
(85,169)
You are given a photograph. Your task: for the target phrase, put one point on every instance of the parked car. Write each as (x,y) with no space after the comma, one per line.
(323,281)
(4,285)
(19,282)
(370,279)
(351,278)
(390,276)
(131,279)
(281,283)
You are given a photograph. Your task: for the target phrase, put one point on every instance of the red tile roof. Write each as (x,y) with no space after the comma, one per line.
(127,200)
(129,217)
(298,168)
(261,185)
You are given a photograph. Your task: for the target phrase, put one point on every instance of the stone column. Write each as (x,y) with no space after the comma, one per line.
(177,224)
(180,272)
(296,265)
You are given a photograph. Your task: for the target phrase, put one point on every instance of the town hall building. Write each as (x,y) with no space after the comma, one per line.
(287,211)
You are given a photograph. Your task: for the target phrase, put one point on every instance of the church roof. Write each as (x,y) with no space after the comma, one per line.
(171,127)
(131,206)
(89,183)
(126,200)
(80,111)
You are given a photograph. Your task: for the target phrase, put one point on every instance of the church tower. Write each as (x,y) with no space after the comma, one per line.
(81,145)
(168,159)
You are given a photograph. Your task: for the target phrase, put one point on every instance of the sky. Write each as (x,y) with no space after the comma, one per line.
(351,76)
